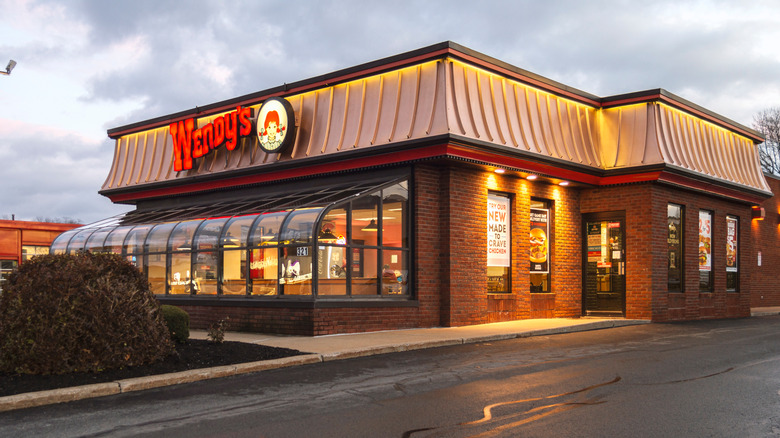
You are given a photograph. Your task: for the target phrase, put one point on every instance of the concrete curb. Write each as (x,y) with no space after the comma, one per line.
(41,398)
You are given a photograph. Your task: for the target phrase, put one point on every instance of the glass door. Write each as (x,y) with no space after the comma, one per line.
(604,266)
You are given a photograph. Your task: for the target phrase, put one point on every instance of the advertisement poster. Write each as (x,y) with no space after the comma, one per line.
(705,240)
(540,244)
(731,244)
(594,242)
(498,231)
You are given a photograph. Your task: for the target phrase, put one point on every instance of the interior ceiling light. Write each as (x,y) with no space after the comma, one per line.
(371,227)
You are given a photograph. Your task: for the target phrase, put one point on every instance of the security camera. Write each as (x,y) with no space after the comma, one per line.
(8,68)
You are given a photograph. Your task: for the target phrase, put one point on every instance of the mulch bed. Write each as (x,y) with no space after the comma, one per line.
(193,354)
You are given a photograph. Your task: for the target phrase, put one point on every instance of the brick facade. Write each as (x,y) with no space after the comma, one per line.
(766,235)
(449,260)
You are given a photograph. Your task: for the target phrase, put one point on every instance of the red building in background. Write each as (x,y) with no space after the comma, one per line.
(20,240)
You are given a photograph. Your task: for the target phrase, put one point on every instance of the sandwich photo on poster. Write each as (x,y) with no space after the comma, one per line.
(539,252)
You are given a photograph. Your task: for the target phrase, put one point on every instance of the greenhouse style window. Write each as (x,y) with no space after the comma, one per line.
(336,242)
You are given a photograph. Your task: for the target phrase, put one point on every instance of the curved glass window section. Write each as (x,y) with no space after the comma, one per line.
(77,242)
(96,240)
(348,241)
(115,239)
(156,252)
(206,256)
(60,244)
(264,254)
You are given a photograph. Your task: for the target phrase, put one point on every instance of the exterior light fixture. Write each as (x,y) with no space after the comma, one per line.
(531,177)
(563,183)
(499,170)
(8,68)
(758,213)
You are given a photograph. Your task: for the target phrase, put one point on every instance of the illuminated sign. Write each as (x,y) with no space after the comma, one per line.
(190,143)
(275,132)
(275,125)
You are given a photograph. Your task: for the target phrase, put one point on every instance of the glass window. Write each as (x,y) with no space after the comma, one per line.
(30,251)
(180,243)
(395,272)
(264,270)
(181,236)
(95,241)
(136,239)
(77,242)
(539,246)
(395,230)
(296,270)
(156,246)
(155,270)
(234,261)
(299,225)
(498,235)
(266,230)
(705,251)
(332,270)
(6,267)
(732,253)
(674,240)
(365,272)
(206,257)
(333,227)
(60,244)
(116,239)
(365,226)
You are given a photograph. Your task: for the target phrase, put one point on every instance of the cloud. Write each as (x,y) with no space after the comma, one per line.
(89,65)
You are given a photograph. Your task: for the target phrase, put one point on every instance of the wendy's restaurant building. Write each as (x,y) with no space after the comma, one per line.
(439,187)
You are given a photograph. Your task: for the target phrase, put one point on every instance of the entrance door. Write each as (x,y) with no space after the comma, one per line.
(604,264)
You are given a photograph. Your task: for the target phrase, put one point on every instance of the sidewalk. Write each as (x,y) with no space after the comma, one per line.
(321,349)
(764,311)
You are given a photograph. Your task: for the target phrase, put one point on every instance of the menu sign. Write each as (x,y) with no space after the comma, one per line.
(498,231)
(540,244)
(731,244)
(705,239)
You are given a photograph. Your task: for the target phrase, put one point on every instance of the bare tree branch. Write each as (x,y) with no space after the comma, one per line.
(767,122)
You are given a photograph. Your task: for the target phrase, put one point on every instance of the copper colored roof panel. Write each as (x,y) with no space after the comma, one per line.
(451,97)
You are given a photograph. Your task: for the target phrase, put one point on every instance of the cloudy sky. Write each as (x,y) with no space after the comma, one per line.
(87,66)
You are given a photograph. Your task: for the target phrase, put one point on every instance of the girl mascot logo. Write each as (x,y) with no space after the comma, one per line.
(275,125)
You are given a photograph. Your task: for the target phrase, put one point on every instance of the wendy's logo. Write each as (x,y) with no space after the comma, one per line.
(275,125)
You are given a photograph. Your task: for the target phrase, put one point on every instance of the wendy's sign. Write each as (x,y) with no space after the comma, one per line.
(275,131)
(275,125)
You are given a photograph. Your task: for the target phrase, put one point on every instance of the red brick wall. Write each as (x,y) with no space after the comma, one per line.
(450,283)
(766,235)
(464,299)
(647,296)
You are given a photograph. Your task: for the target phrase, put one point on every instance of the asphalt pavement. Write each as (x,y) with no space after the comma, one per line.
(332,347)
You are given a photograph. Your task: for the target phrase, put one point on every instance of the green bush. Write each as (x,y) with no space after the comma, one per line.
(178,322)
(73,313)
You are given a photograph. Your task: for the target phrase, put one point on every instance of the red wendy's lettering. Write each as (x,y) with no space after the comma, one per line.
(190,143)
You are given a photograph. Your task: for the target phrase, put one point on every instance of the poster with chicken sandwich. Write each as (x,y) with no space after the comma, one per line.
(539,253)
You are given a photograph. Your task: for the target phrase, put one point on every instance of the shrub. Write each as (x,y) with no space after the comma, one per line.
(178,322)
(84,312)
(216,331)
